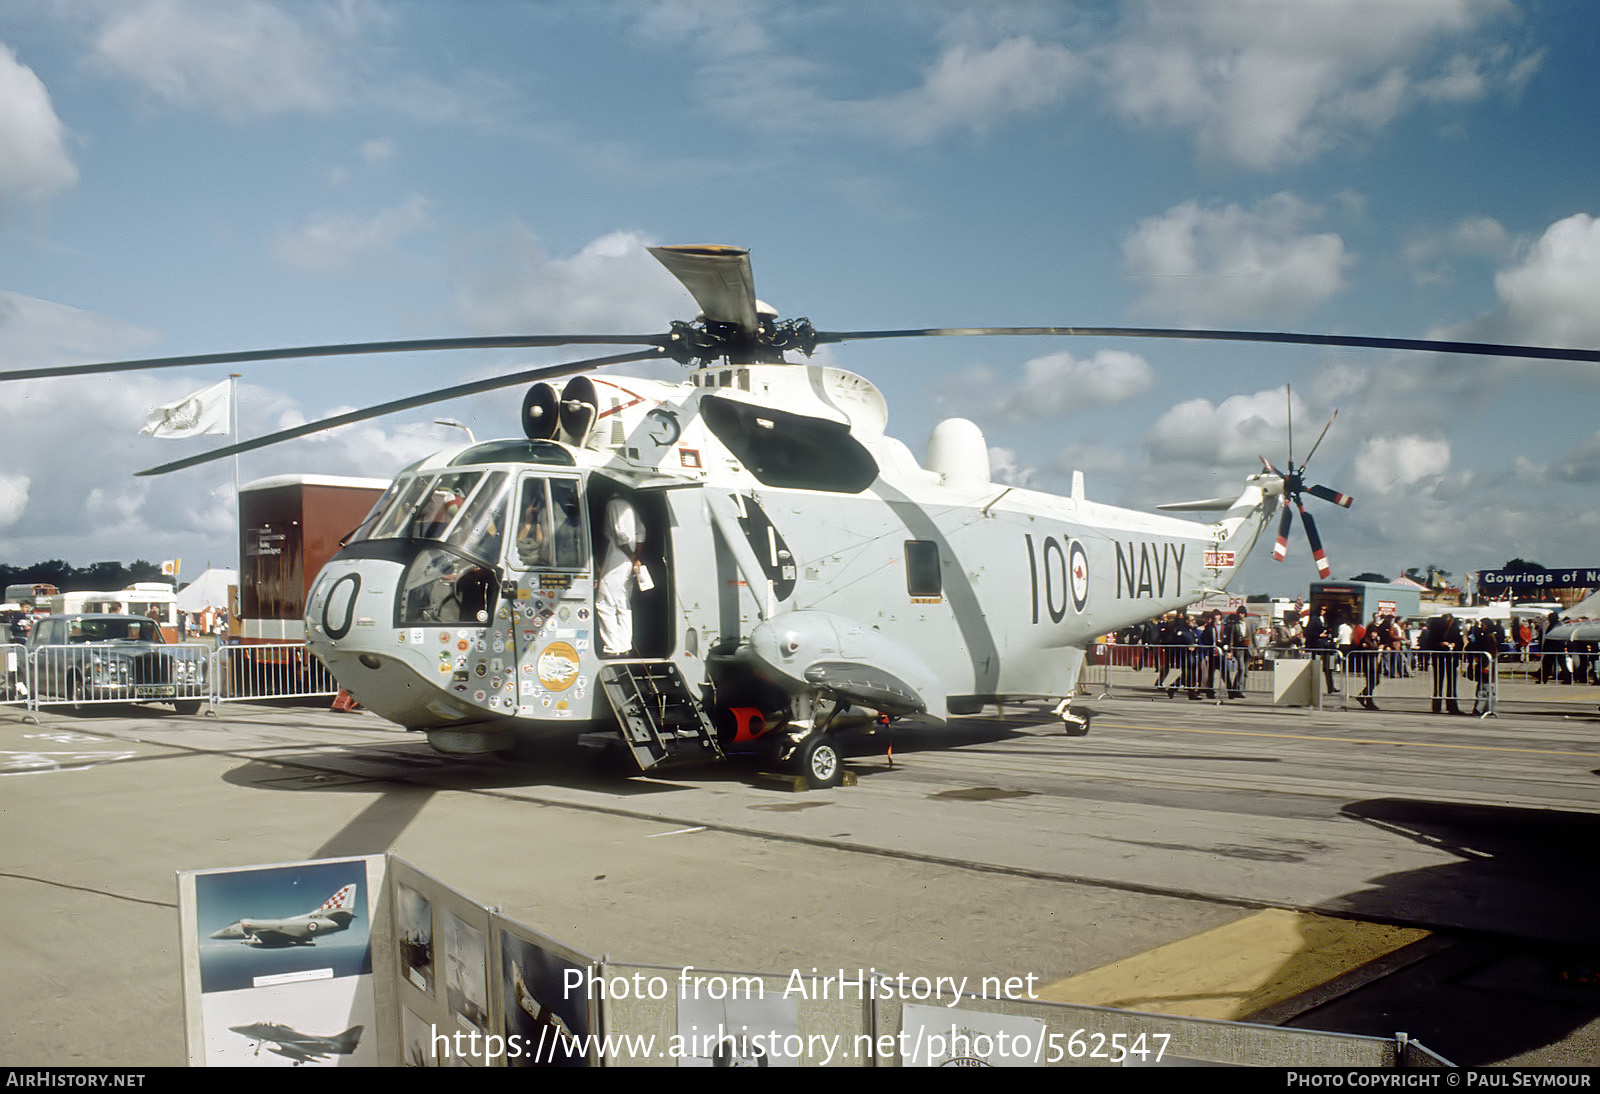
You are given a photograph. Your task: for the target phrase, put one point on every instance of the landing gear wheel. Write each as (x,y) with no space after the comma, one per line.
(818,762)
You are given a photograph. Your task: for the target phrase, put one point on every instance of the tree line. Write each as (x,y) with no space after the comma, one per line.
(97,576)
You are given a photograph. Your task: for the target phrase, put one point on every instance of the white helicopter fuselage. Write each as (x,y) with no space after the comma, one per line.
(789,549)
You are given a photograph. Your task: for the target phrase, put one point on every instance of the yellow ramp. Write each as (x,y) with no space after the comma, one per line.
(1238,969)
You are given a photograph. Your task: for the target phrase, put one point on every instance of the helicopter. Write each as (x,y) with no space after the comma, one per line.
(743,561)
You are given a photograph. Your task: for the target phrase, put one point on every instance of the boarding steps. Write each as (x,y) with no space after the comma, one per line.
(660,720)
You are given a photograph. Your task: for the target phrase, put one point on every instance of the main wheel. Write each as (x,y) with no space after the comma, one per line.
(818,762)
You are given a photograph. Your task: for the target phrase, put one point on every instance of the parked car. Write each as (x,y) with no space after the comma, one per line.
(85,658)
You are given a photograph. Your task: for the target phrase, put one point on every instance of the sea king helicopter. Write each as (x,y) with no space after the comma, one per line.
(743,560)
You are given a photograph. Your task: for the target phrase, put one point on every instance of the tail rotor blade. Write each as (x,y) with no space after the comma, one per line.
(1330,495)
(1323,569)
(1280,549)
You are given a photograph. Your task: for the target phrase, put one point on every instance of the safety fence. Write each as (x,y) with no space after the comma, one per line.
(1452,682)
(185,676)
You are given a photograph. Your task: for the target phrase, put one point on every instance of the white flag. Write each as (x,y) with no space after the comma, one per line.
(203,412)
(169,568)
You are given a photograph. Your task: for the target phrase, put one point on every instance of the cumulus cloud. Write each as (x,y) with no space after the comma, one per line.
(239,58)
(13,498)
(1398,463)
(973,87)
(1266,85)
(611,285)
(1209,265)
(1058,384)
(980,76)
(33,142)
(335,244)
(1549,292)
(38,333)
(1235,431)
(1432,254)
(72,455)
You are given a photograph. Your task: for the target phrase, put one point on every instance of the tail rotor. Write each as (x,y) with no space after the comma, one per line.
(1294,490)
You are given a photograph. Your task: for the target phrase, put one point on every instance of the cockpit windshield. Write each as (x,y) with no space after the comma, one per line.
(465,509)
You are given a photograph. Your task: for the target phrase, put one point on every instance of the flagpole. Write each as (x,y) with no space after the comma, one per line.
(238,529)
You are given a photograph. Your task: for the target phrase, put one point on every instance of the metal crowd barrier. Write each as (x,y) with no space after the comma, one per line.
(186,675)
(13,686)
(1130,670)
(275,670)
(1556,682)
(94,674)
(1401,679)
(1463,682)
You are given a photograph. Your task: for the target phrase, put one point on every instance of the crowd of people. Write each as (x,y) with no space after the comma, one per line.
(1189,652)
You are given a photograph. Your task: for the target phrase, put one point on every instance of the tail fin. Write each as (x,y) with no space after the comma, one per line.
(342,901)
(347,1041)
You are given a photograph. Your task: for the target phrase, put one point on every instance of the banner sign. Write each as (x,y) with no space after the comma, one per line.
(1577,577)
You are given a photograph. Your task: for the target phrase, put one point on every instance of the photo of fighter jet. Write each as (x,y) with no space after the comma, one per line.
(335,914)
(297,1046)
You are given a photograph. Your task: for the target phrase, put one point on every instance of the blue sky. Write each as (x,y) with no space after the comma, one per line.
(182,177)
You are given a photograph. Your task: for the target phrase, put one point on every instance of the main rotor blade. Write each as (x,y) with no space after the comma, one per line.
(718,278)
(507,341)
(472,388)
(1323,569)
(1482,349)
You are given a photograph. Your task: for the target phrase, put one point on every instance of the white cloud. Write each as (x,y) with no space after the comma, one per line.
(1267,85)
(612,286)
(1549,295)
(979,78)
(1059,384)
(33,142)
(974,88)
(334,244)
(239,58)
(74,447)
(1005,468)
(38,333)
(1398,463)
(13,498)
(1223,265)
(1234,432)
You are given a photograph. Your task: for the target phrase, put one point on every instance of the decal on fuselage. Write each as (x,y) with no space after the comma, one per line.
(1058,575)
(1147,569)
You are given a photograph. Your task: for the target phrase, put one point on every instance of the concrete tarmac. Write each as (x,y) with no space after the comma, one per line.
(996,846)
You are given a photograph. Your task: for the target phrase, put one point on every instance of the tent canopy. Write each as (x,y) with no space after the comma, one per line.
(209,590)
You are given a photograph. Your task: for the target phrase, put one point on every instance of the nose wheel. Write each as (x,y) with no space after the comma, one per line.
(817,760)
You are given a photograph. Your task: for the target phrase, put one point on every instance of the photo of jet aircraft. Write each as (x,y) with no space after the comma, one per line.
(297,1046)
(335,914)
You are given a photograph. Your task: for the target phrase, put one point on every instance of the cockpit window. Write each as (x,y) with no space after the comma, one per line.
(370,521)
(480,526)
(793,450)
(394,521)
(549,525)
